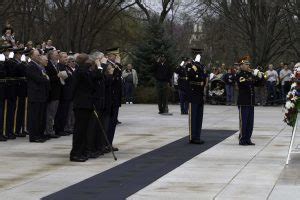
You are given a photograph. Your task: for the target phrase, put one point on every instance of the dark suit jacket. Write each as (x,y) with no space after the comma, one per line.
(55,84)
(66,91)
(37,84)
(83,89)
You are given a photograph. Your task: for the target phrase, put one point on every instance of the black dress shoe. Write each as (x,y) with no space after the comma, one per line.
(197,142)
(62,134)
(37,141)
(118,122)
(250,143)
(20,134)
(11,137)
(78,159)
(242,143)
(54,136)
(93,154)
(2,138)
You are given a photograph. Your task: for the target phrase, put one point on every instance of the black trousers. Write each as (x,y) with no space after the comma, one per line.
(95,137)
(61,116)
(36,119)
(82,121)
(1,116)
(113,119)
(246,115)
(162,95)
(10,116)
(20,118)
(195,120)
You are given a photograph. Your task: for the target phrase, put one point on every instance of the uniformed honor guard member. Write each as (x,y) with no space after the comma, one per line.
(197,81)
(247,79)
(183,85)
(113,59)
(2,94)
(21,92)
(10,92)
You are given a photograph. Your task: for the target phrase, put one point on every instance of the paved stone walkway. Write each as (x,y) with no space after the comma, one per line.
(225,171)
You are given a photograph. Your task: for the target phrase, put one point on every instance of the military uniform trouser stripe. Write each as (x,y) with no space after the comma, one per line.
(15,115)
(190,121)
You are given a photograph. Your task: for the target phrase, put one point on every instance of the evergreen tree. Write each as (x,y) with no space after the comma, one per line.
(154,42)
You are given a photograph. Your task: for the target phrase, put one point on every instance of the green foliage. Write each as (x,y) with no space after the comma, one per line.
(153,43)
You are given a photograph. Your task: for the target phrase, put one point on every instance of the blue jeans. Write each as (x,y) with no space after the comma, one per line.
(271,89)
(184,104)
(229,94)
(129,91)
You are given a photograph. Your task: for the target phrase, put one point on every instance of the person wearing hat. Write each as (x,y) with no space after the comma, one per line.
(246,80)
(2,93)
(113,59)
(183,85)
(21,92)
(163,75)
(10,65)
(197,81)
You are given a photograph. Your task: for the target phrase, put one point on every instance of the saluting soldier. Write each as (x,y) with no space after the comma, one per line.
(2,94)
(197,80)
(10,92)
(116,87)
(183,85)
(21,92)
(247,79)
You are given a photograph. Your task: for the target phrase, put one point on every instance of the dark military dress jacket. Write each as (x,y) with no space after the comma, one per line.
(2,80)
(183,83)
(246,82)
(10,66)
(197,79)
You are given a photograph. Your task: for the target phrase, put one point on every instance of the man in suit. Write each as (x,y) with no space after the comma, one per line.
(55,91)
(65,76)
(38,92)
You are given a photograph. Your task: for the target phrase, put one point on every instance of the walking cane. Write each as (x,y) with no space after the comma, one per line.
(104,134)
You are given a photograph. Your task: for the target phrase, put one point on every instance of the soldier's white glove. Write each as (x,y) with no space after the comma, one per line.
(182,63)
(2,57)
(23,58)
(11,55)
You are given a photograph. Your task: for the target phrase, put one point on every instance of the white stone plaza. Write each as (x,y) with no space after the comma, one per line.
(225,171)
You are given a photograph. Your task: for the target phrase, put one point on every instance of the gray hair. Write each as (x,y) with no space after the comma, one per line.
(95,55)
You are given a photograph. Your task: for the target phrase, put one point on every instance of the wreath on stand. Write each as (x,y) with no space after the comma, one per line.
(292,104)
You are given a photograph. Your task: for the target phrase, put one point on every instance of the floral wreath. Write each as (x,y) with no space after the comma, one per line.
(292,104)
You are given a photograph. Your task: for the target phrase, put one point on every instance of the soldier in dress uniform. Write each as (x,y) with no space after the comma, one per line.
(247,79)
(197,80)
(114,60)
(183,85)
(2,94)
(21,92)
(10,92)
